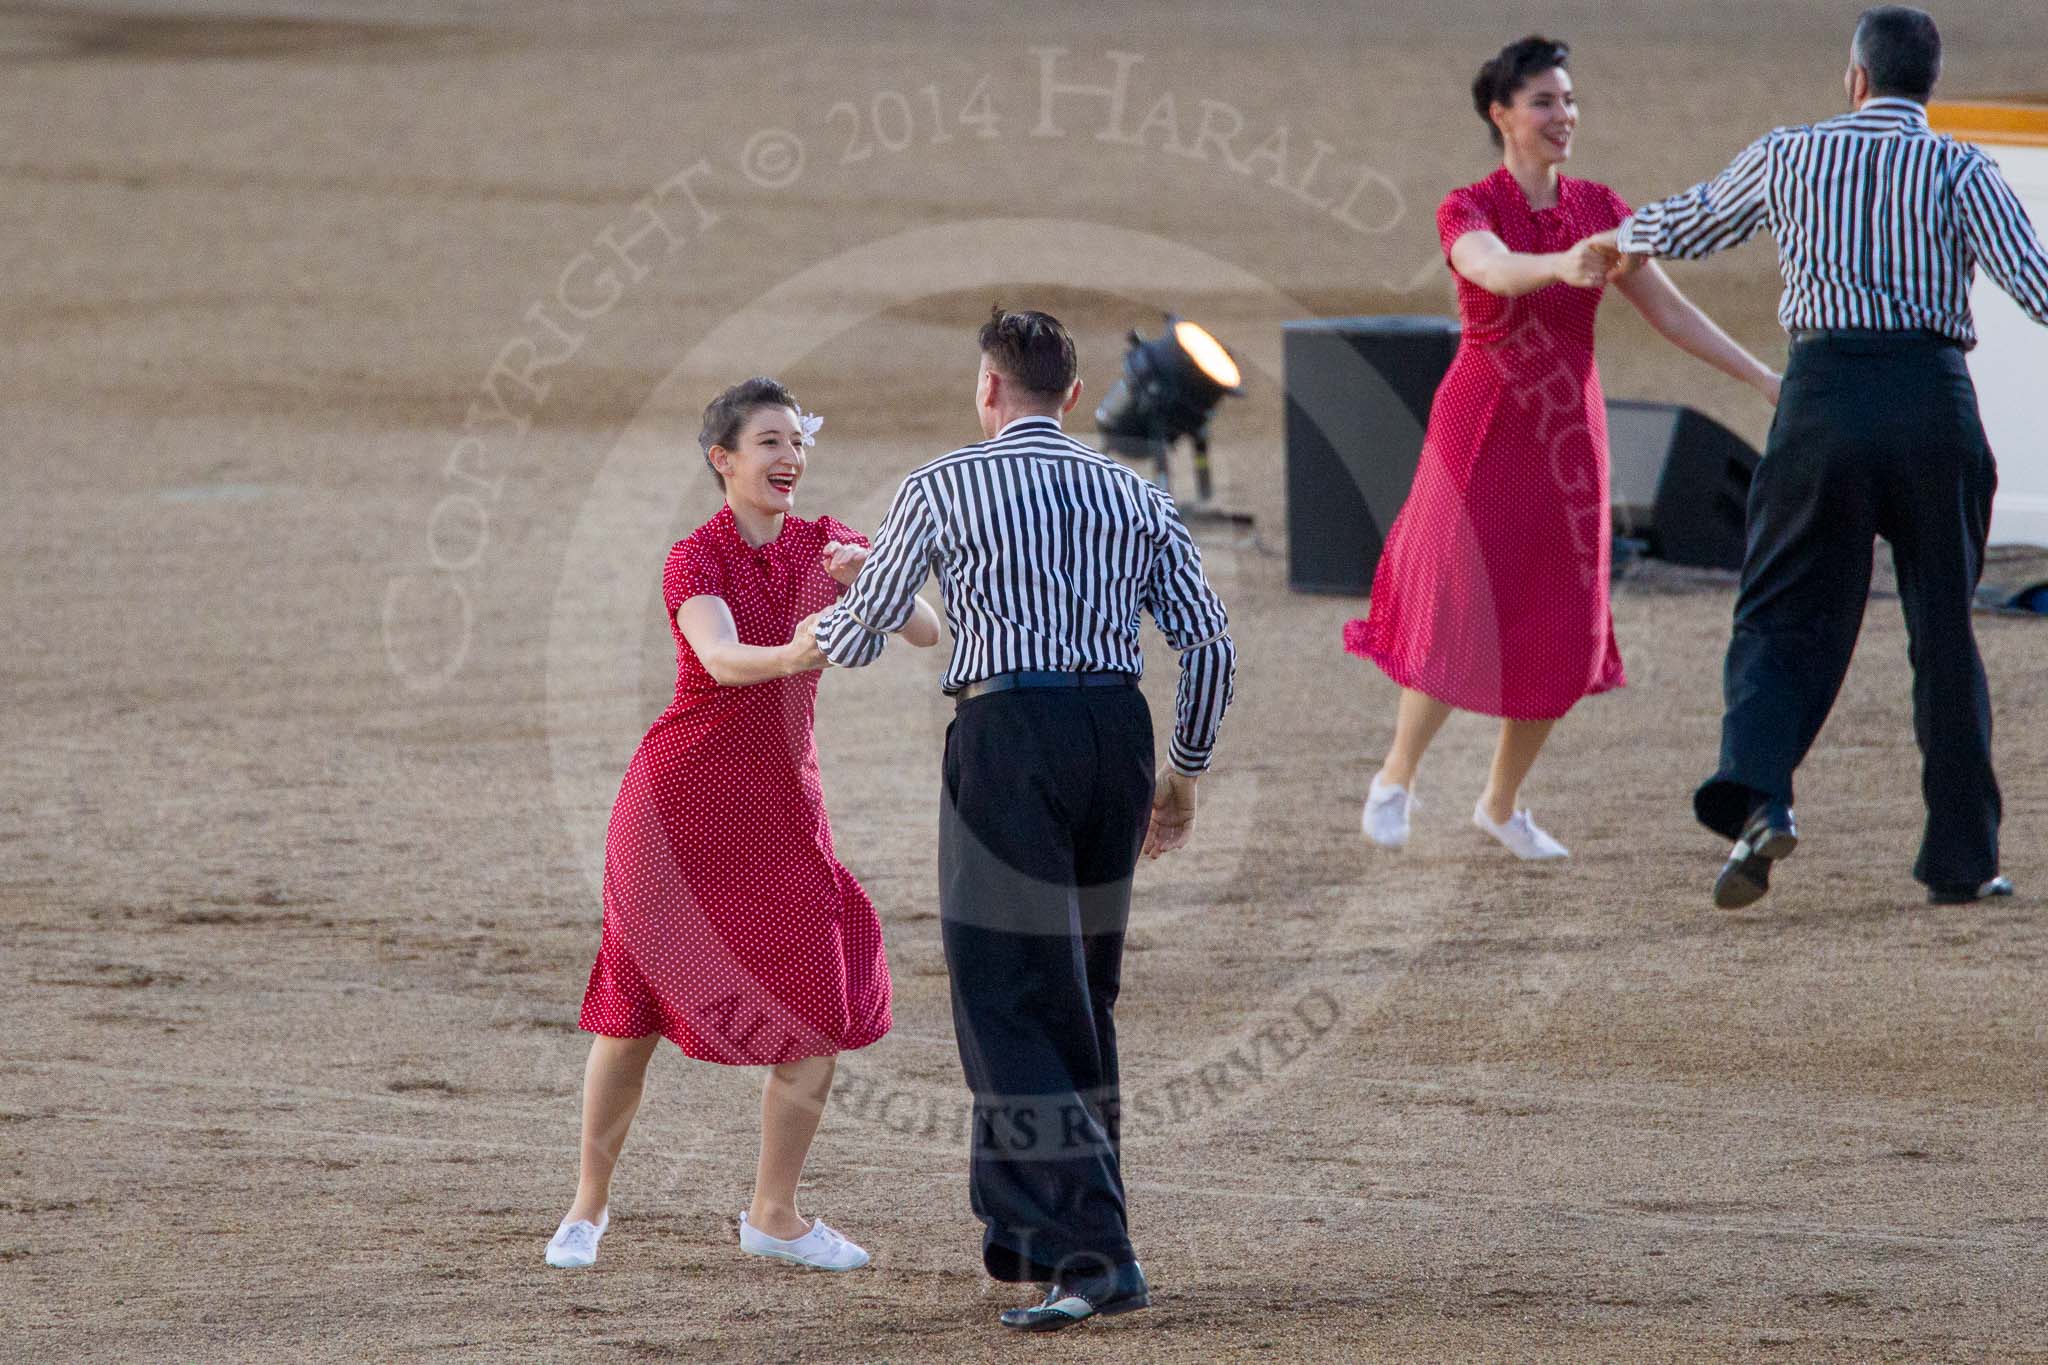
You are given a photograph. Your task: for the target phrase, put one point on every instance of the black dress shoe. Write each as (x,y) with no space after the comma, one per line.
(1965,895)
(1769,836)
(1081,1297)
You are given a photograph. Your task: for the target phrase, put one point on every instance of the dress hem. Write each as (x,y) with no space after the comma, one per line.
(1499,712)
(697,1055)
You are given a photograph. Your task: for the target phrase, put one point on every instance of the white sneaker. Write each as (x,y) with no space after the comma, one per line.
(1387,808)
(574,1245)
(822,1248)
(1523,837)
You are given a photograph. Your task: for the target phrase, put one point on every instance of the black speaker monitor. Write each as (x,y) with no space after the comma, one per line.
(1358,398)
(1680,480)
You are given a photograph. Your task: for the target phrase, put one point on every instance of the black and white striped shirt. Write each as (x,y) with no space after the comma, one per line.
(1879,221)
(1046,551)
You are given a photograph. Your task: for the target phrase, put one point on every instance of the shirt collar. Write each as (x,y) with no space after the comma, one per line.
(1510,189)
(728,526)
(1894,108)
(1032,421)
(725,525)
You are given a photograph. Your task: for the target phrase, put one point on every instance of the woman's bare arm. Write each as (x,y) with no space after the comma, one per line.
(843,563)
(706,622)
(1679,321)
(1483,258)
(922,629)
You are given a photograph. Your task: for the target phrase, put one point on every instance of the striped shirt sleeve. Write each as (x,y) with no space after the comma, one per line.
(2002,237)
(1720,213)
(1193,620)
(882,598)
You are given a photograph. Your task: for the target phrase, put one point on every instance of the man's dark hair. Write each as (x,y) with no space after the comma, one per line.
(1510,69)
(1030,349)
(1901,49)
(727,415)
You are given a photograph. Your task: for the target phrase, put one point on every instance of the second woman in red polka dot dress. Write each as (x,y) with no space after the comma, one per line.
(729,926)
(1491,595)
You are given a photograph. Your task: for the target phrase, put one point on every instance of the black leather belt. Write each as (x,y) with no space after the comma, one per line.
(1004,682)
(1927,335)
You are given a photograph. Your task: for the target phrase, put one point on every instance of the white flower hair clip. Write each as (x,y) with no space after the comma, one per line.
(807,424)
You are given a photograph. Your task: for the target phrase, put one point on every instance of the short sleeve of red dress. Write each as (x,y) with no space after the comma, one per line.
(817,589)
(690,572)
(835,529)
(1613,209)
(1460,213)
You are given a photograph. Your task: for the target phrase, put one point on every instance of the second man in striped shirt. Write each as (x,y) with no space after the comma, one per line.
(1880,224)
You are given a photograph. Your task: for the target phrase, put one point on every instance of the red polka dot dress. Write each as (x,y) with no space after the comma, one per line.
(729,926)
(1491,594)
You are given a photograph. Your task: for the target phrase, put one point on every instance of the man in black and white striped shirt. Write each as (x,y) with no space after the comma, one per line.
(1879,224)
(1047,553)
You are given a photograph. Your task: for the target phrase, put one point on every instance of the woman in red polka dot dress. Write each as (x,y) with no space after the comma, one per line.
(729,926)
(1491,595)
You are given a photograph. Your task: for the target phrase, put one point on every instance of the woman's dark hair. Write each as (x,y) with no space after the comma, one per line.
(727,415)
(1030,349)
(1510,69)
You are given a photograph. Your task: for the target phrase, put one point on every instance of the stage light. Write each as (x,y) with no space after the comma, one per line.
(1170,386)
(1209,356)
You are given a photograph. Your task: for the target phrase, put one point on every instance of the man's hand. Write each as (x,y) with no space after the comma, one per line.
(1585,266)
(802,649)
(1769,383)
(1620,264)
(843,561)
(1627,264)
(1173,813)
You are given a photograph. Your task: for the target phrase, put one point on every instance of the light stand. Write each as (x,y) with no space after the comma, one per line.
(1170,386)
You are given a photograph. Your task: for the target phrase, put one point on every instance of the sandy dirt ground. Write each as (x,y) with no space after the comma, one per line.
(348,402)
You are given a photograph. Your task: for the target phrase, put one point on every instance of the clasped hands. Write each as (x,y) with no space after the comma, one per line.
(1598,260)
(843,563)
(1173,799)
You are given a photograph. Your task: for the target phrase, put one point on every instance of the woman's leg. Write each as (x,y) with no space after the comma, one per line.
(1520,742)
(792,1102)
(612,1083)
(1415,725)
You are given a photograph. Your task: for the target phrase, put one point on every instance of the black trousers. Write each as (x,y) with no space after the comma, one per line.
(1875,435)
(1047,792)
